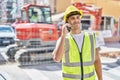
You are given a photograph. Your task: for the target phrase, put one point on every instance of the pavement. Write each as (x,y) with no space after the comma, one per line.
(52,71)
(110,58)
(110,68)
(111,50)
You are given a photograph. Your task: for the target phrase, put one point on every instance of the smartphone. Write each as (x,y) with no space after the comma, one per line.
(68,28)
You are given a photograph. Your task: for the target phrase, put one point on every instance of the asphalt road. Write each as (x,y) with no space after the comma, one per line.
(52,71)
(34,72)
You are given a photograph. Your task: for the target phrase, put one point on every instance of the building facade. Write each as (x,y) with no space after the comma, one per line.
(109,7)
(6,8)
(9,9)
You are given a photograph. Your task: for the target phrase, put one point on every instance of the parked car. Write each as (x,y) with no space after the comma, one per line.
(7,35)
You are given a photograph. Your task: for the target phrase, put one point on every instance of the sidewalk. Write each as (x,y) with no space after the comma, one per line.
(110,68)
(109,52)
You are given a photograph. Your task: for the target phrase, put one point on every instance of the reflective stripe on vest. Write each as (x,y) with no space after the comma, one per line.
(76,64)
(77,76)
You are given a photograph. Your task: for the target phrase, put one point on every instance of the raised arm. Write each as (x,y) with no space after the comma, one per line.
(59,49)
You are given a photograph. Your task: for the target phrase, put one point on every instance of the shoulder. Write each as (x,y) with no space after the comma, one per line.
(87,32)
(66,38)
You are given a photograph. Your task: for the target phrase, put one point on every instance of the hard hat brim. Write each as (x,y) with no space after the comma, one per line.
(72,9)
(71,14)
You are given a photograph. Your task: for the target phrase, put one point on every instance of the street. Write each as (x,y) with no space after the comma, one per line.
(52,71)
(30,29)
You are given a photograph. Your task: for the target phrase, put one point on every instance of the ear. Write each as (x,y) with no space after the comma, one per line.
(67,21)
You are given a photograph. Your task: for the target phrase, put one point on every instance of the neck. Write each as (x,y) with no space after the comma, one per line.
(75,31)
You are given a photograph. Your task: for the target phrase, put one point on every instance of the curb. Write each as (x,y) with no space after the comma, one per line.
(111,54)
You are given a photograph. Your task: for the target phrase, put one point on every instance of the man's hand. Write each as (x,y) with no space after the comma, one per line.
(64,29)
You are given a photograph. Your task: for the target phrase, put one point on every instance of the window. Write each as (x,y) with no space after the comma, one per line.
(107,23)
(86,22)
(39,15)
(5,29)
(24,18)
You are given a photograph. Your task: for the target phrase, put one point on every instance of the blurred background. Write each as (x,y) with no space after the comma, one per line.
(29,30)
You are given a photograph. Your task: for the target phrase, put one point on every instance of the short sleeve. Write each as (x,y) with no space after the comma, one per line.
(97,42)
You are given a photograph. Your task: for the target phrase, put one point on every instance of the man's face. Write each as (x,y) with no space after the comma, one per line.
(74,21)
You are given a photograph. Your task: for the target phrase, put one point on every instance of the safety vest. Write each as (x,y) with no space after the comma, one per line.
(78,65)
(34,19)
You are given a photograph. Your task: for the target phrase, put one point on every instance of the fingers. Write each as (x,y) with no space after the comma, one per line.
(64,29)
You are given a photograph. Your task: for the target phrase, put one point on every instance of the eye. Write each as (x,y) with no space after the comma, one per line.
(78,17)
(72,18)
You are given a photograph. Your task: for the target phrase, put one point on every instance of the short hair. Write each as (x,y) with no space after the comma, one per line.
(73,13)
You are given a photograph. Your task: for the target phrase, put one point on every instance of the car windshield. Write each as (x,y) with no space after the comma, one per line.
(5,29)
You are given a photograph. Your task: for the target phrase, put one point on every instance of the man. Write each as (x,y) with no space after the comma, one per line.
(34,17)
(77,49)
